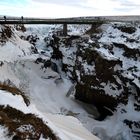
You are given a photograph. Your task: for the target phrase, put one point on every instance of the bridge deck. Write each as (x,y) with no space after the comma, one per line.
(49,21)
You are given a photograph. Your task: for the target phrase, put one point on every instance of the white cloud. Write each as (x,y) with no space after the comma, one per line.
(62,2)
(73,8)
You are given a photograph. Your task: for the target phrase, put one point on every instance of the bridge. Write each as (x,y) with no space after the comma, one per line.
(63,21)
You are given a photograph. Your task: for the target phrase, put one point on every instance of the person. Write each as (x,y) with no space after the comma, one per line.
(4,18)
(22,18)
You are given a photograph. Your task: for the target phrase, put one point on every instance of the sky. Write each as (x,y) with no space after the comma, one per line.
(68,8)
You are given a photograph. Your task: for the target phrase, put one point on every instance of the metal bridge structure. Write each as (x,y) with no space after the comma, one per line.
(63,21)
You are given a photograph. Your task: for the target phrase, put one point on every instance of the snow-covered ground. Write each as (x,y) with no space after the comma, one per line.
(50,90)
(65,127)
(47,94)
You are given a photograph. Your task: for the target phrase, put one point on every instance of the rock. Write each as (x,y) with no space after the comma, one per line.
(5,34)
(34,49)
(20,27)
(1,63)
(57,54)
(127,29)
(56,39)
(54,67)
(39,60)
(32,39)
(105,104)
(129,52)
(47,63)
(16,138)
(64,67)
(134,127)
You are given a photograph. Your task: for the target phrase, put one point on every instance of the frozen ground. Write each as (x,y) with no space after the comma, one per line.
(48,99)
(51,92)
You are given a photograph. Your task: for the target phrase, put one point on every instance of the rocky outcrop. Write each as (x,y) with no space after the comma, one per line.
(47,64)
(20,27)
(104,76)
(126,29)
(134,128)
(129,52)
(104,66)
(5,33)
(28,126)
(32,39)
(104,103)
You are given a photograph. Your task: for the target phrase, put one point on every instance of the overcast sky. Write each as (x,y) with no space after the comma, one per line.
(69,8)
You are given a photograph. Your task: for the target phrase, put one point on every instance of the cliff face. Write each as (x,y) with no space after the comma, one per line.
(104,64)
(32,95)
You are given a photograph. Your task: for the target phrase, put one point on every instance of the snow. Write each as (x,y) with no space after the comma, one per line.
(62,125)
(68,127)
(13,52)
(137,82)
(41,138)
(47,94)
(26,128)
(3,132)
(48,90)
(6,72)
(113,128)
(14,48)
(131,114)
(112,34)
(78,29)
(52,96)
(89,69)
(69,57)
(41,31)
(105,54)
(109,90)
(62,104)
(14,101)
